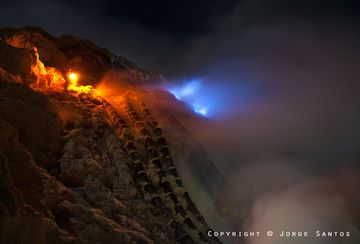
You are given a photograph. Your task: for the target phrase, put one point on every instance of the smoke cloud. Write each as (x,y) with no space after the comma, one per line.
(282,124)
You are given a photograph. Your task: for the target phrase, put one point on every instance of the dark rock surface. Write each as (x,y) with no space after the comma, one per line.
(76,168)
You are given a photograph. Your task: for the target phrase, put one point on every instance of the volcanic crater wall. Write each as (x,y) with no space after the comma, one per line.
(76,168)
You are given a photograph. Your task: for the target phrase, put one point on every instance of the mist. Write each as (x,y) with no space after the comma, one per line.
(282,125)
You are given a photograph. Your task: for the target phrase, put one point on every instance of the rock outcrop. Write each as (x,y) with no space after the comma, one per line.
(76,167)
(69,52)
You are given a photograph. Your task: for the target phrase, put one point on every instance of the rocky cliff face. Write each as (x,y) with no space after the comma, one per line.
(76,167)
(78,54)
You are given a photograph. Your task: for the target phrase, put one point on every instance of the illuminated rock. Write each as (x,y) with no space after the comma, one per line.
(92,169)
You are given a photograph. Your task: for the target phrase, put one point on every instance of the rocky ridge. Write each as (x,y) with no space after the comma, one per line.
(78,168)
(69,52)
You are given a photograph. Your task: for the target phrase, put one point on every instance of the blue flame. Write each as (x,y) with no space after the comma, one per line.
(202,111)
(217,97)
(192,93)
(186,90)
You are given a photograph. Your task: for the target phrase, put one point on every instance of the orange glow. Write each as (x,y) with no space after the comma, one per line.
(113,84)
(81,89)
(73,77)
(74,86)
(50,79)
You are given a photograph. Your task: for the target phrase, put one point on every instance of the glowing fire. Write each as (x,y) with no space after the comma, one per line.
(48,78)
(192,93)
(73,83)
(73,77)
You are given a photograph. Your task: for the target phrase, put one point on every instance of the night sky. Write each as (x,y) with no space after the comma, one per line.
(177,38)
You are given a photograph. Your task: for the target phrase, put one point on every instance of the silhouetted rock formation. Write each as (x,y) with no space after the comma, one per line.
(76,53)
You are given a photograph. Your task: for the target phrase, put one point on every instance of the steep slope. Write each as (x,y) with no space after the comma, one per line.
(69,52)
(80,168)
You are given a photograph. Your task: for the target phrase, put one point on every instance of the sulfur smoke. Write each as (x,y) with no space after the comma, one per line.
(284,130)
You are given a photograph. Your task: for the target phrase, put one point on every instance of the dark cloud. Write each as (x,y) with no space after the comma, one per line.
(178,38)
(177,19)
